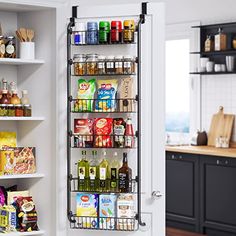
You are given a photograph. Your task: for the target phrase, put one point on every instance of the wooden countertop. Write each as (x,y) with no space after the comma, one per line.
(204,150)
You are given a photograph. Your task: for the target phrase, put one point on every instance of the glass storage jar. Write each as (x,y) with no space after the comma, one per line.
(101,65)
(3,109)
(27,110)
(104,32)
(128,60)
(119,64)
(92,33)
(10,47)
(80,33)
(110,65)
(2,47)
(11,110)
(79,64)
(19,110)
(128,33)
(92,64)
(116,32)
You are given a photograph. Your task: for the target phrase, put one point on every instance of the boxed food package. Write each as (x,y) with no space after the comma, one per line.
(126,92)
(107,211)
(87,210)
(7,139)
(103,128)
(125,212)
(8,218)
(83,130)
(7,162)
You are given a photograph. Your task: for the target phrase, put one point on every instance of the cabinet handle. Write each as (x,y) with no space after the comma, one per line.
(173,156)
(217,162)
(180,157)
(226,162)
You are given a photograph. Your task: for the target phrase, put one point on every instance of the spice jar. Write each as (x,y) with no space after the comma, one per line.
(128,33)
(119,64)
(10,47)
(92,33)
(2,47)
(104,32)
(110,67)
(11,110)
(79,64)
(80,33)
(3,110)
(116,32)
(27,110)
(128,61)
(19,110)
(101,65)
(92,64)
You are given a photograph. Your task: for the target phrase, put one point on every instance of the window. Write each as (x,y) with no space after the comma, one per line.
(177,87)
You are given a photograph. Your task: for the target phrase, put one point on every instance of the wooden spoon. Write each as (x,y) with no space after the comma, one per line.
(23,33)
(19,36)
(30,34)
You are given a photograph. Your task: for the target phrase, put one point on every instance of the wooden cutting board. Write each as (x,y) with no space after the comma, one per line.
(221,125)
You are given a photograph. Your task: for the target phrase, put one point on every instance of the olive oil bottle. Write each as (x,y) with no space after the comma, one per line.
(83,173)
(93,173)
(104,174)
(115,165)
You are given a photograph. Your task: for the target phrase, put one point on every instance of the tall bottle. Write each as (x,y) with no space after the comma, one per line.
(125,176)
(93,172)
(129,134)
(115,165)
(24,98)
(220,40)
(4,99)
(104,174)
(83,173)
(14,98)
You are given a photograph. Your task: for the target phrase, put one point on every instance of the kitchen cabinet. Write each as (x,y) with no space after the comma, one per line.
(218,194)
(201,193)
(182,199)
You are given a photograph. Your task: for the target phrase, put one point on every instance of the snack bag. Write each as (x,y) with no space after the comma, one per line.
(106,95)
(86,90)
(7,139)
(7,162)
(126,104)
(3,218)
(107,211)
(103,131)
(87,210)
(12,196)
(125,212)
(83,129)
(119,132)
(27,215)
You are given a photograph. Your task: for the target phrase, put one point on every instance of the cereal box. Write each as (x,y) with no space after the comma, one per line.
(87,210)
(7,162)
(125,212)
(107,211)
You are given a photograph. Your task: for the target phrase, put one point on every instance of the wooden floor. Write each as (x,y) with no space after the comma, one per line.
(177,232)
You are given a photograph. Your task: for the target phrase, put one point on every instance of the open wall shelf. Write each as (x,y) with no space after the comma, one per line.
(18,61)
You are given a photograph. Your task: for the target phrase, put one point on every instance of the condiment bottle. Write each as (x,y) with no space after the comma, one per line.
(14,98)
(4,99)
(209,46)
(83,173)
(104,32)
(125,176)
(129,134)
(129,28)
(24,98)
(116,32)
(93,172)
(115,165)
(92,33)
(220,41)
(104,174)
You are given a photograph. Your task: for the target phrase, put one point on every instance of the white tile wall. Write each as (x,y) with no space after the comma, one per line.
(218,91)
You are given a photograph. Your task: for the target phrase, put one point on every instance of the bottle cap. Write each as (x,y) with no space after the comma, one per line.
(92,25)
(116,24)
(110,57)
(4,91)
(129,23)
(104,25)
(24,92)
(80,26)
(101,57)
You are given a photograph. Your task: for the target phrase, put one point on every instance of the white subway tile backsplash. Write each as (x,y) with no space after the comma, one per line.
(218,91)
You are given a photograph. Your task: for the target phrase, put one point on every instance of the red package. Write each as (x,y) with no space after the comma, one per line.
(83,130)
(103,130)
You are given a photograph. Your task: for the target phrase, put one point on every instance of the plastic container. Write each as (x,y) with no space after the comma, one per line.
(116,32)
(80,33)
(92,33)
(128,32)
(104,32)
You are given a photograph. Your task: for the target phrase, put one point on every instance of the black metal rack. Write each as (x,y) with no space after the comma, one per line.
(134,106)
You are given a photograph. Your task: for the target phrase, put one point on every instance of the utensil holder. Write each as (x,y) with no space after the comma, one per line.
(27,50)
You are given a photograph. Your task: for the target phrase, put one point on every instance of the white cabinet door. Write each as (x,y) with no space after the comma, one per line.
(153,115)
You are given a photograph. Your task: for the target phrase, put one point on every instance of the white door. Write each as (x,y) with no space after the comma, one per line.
(152,108)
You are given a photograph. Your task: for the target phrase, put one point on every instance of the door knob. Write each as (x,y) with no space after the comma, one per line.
(156,194)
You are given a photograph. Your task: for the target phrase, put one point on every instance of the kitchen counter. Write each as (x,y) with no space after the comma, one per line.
(204,150)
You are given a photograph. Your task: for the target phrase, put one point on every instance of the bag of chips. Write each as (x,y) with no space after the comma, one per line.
(106,95)
(86,90)
(27,215)
(103,131)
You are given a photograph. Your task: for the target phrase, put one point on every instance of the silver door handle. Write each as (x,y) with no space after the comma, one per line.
(156,194)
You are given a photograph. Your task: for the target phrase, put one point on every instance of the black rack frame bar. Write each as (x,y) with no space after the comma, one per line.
(69,176)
